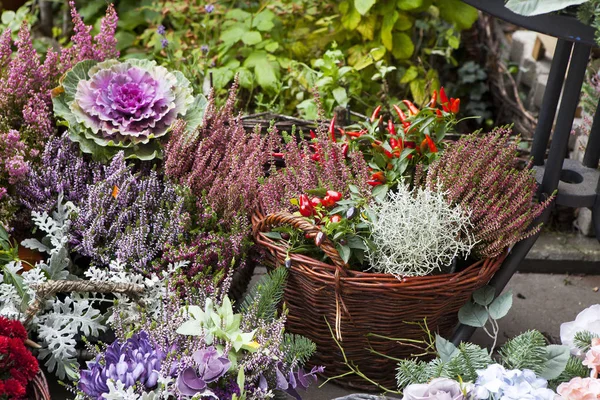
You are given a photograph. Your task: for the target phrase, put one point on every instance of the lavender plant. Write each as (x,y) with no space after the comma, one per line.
(62,169)
(129,216)
(480,174)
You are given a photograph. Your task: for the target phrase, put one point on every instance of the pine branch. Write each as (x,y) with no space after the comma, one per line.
(467,361)
(573,369)
(297,348)
(528,350)
(412,371)
(583,340)
(266,295)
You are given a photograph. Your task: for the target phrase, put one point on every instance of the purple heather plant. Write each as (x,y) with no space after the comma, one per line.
(62,170)
(128,216)
(221,163)
(479,173)
(137,361)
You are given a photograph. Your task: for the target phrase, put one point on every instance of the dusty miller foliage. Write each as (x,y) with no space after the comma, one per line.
(417,232)
(59,321)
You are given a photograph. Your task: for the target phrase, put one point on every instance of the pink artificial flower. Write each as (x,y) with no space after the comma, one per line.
(580,389)
(592,358)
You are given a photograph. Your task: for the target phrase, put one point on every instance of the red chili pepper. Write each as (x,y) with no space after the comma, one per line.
(313,135)
(327,201)
(333,195)
(394,143)
(335,218)
(444,99)
(409,145)
(315,201)
(433,101)
(400,113)
(431,144)
(374,183)
(332,129)
(378,176)
(391,127)
(354,134)
(439,113)
(412,109)
(345,149)
(306,208)
(388,154)
(278,155)
(375,113)
(455,106)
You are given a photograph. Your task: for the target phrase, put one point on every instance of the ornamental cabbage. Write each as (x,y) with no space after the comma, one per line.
(111,106)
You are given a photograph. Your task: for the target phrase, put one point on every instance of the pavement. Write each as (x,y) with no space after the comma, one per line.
(541,299)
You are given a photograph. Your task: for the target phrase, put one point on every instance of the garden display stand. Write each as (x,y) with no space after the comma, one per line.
(578,184)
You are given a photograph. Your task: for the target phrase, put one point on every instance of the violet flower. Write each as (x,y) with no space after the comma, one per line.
(210,367)
(294,380)
(134,362)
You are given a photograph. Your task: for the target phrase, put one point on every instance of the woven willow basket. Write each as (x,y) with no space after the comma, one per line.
(357,304)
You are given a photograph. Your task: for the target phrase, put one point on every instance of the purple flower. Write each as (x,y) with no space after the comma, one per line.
(133,362)
(204,48)
(209,8)
(164,43)
(209,368)
(161,30)
(294,380)
(437,389)
(122,104)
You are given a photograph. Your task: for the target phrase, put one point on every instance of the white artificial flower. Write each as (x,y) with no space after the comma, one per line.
(586,320)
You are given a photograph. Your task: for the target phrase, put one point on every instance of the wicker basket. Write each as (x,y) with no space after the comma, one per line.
(356,304)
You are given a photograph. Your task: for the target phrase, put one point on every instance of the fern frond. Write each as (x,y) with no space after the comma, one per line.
(267,294)
(412,371)
(528,350)
(297,348)
(583,340)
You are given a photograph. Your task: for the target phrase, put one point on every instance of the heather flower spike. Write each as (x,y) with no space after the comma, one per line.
(112,106)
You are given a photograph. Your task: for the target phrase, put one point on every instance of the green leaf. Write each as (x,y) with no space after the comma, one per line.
(484,296)
(404,22)
(363,62)
(195,113)
(411,73)
(386,29)
(263,21)
(264,71)
(379,192)
(409,4)
(251,38)
(460,14)
(377,53)
(536,7)
(273,235)
(3,234)
(363,6)
(221,77)
(445,348)
(417,89)
(403,46)
(351,19)
(473,315)
(8,16)
(368,26)
(245,77)
(558,356)
(238,14)
(344,251)
(339,94)
(234,34)
(501,305)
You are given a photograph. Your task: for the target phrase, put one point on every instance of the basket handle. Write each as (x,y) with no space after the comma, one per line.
(285,218)
(51,288)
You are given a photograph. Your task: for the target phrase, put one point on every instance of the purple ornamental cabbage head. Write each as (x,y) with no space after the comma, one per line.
(122,104)
(437,389)
(209,368)
(133,362)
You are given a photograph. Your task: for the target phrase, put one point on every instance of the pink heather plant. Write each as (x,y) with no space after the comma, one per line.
(479,173)
(220,162)
(26,120)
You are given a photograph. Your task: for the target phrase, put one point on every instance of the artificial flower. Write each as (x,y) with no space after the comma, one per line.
(586,320)
(580,389)
(210,366)
(437,389)
(592,358)
(496,382)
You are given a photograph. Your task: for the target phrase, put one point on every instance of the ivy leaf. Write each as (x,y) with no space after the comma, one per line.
(484,296)
(459,13)
(409,4)
(537,7)
(363,6)
(500,307)
(386,30)
(472,314)
(403,46)
(558,356)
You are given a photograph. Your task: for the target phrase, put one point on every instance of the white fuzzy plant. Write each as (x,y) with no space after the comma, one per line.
(417,232)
